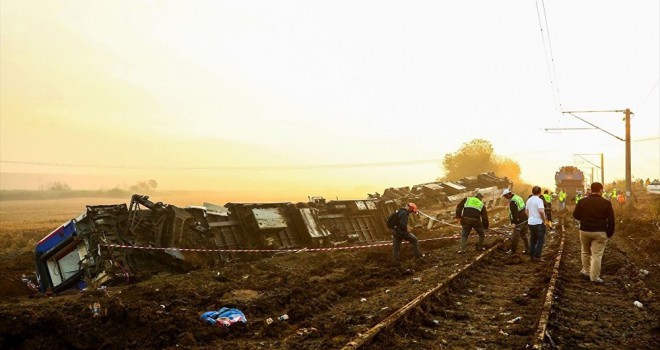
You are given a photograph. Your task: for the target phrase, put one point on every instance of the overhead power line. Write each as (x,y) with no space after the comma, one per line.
(552,74)
(653,138)
(552,54)
(247,167)
(226,168)
(649,94)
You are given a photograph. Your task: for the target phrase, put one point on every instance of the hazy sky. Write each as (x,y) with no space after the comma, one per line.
(250,96)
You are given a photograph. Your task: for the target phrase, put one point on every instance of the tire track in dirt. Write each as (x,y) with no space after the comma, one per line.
(496,306)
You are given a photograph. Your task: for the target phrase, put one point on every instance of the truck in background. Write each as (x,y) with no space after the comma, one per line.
(653,187)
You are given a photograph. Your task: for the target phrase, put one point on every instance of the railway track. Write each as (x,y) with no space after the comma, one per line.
(588,315)
(495,301)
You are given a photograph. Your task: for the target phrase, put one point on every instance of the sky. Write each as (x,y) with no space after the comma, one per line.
(282,100)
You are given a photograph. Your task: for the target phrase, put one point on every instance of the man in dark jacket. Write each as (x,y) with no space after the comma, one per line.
(472,213)
(401,232)
(518,218)
(596,227)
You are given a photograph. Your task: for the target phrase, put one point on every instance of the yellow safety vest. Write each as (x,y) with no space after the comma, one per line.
(474,202)
(562,196)
(520,204)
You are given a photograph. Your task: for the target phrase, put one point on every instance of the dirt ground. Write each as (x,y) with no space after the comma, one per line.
(497,306)
(329,297)
(594,316)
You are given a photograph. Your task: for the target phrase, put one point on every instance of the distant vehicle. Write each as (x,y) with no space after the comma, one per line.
(653,187)
(570,179)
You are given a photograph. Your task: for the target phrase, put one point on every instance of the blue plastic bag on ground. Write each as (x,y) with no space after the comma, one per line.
(224,317)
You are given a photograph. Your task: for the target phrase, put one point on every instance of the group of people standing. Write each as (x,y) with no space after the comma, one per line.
(529,215)
(534,215)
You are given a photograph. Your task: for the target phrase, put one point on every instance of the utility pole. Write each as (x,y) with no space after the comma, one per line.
(627,113)
(602,169)
(628,166)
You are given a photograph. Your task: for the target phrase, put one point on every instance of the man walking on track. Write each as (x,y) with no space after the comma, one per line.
(562,199)
(401,232)
(536,213)
(519,218)
(596,218)
(472,213)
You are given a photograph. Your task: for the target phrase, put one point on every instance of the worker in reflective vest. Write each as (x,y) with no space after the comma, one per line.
(547,198)
(578,196)
(519,219)
(472,214)
(562,199)
(621,198)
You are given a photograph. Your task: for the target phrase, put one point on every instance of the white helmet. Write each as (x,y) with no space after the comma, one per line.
(506,191)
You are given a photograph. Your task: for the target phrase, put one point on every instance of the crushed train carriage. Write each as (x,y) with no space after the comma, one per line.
(100,246)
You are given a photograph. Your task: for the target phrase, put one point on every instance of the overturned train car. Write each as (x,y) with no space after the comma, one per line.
(99,246)
(111,244)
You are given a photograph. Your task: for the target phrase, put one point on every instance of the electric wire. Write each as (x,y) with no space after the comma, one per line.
(247,167)
(649,94)
(545,51)
(552,55)
(226,168)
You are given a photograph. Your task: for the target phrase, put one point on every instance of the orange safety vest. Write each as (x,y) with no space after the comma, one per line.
(621,198)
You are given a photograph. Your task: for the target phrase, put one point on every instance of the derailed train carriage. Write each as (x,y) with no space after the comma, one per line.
(110,244)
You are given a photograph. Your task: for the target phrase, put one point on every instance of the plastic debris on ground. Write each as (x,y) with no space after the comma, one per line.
(96,309)
(305,331)
(514,320)
(224,317)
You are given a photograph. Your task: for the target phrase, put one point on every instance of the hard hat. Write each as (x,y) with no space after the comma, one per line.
(505,192)
(413,207)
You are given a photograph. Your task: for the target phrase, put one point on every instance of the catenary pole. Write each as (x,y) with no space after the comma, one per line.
(602,169)
(627,114)
(628,165)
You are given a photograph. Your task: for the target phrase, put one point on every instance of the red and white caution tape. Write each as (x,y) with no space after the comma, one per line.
(302,250)
(440,221)
(458,226)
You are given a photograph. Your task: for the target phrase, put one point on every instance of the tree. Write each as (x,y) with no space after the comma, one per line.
(509,168)
(478,156)
(474,157)
(146,186)
(58,186)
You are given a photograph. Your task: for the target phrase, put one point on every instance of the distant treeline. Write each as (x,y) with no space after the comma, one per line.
(14,195)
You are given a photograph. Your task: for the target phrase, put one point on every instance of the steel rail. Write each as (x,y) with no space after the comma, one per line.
(539,335)
(365,338)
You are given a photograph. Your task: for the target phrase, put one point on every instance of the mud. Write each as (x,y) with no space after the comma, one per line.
(588,315)
(496,306)
(322,292)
